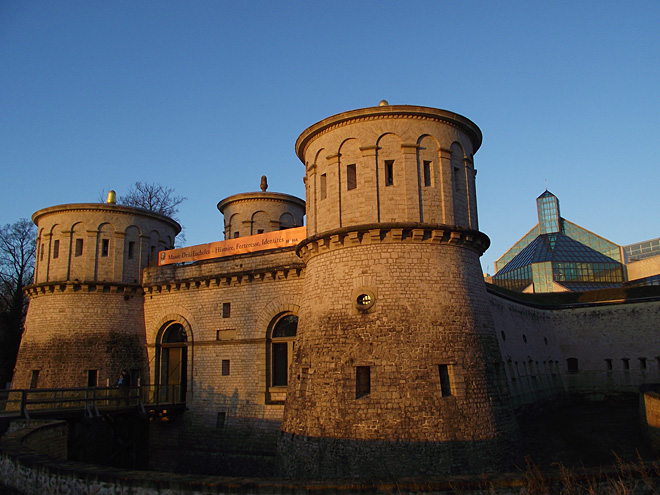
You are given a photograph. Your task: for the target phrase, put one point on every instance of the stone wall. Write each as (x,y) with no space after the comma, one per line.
(429,315)
(227,308)
(71,330)
(590,349)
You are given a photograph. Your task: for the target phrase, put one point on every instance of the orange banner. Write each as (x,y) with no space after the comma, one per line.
(250,244)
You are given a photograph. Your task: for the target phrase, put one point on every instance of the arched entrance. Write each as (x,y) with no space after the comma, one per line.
(173,354)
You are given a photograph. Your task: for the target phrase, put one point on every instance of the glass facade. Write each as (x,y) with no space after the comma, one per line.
(547,205)
(595,242)
(642,250)
(516,248)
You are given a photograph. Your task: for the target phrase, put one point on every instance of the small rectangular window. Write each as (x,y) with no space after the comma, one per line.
(626,364)
(79,247)
(642,363)
(225,367)
(457,183)
(56,249)
(34,379)
(427,174)
(608,365)
(362,381)
(572,365)
(389,172)
(351,177)
(445,383)
(324,190)
(131,250)
(41,252)
(220,421)
(226,310)
(236,235)
(105,247)
(92,378)
(260,231)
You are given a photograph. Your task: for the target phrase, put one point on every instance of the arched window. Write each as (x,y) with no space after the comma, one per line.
(173,363)
(280,352)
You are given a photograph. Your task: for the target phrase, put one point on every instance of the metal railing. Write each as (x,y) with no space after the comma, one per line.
(52,402)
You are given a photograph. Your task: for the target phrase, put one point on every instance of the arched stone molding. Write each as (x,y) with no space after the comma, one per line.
(430,179)
(391,186)
(276,307)
(260,220)
(460,185)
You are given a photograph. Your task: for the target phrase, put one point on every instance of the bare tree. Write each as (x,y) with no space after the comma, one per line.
(17,252)
(153,197)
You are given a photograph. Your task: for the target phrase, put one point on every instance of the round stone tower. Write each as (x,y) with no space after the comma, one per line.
(85,322)
(260,212)
(396,369)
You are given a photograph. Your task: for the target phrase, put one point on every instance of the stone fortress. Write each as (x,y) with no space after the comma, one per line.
(369,346)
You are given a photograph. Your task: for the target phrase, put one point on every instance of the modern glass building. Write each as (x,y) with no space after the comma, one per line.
(641,250)
(557,256)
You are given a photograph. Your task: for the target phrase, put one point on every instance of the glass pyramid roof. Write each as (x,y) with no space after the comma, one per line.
(555,247)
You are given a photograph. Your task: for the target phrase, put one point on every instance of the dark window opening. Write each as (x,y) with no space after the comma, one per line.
(280,364)
(226,310)
(503,335)
(324,187)
(34,379)
(105,247)
(362,381)
(131,250)
(41,252)
(282,341)
(457,177)
(626,364)
(351,177)
(427,174)
(445,384)
(236,235)
(389,172)
(56,249)
(572,365)
(608,365)
(79,247)
(220,421)
(260,231)
(225,367)
(524,338)
(642,363)
(92,378)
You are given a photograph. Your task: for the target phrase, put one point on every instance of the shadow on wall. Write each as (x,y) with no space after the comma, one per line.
(223,435)
(336,458)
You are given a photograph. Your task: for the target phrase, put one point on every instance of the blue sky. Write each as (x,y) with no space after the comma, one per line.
(207,96)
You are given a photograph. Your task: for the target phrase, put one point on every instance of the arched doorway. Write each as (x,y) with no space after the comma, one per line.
(173,353)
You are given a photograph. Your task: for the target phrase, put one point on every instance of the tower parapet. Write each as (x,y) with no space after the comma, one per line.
(396,370)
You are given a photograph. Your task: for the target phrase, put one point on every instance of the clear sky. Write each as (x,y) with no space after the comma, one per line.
(206,96)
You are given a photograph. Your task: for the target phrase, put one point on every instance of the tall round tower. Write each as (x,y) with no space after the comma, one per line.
(396,369)
(85,322)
